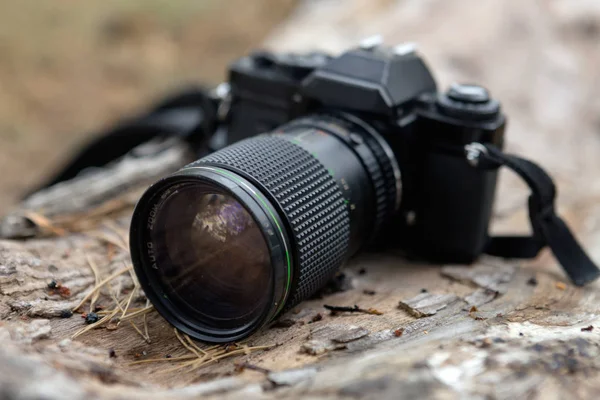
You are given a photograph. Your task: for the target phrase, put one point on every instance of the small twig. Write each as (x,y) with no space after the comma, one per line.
(145,337)
(132,310)
(121,233)
(172,359)
(342,308)
(194,345)
(187,346)
(145,319)
(133,325)
(100,285)
(137,313)
(110,252)
(131,295)
(195,360)
(246,365)
(95,324)
(219,355)
(94,268)
(356,309)
(89,218)
(108,239)
(240,351)
(44,223)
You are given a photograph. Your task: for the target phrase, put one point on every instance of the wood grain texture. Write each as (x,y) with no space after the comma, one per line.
(522,341)
(506,330)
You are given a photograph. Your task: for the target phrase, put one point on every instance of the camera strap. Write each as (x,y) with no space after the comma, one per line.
(548,228)
(190,115)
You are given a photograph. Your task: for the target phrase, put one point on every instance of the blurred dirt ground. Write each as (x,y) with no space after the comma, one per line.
(69,68)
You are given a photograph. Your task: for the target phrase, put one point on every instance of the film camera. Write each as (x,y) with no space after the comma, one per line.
(361,151)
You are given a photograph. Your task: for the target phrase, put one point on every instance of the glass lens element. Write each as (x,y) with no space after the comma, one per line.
(214,261)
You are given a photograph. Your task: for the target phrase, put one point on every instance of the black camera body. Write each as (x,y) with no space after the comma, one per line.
(313,158)
(444,205)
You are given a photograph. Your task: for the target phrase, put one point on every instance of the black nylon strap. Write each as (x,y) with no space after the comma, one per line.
(548,228)
(190,114)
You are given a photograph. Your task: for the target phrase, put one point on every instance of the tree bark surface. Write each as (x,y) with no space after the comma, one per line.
(494,329)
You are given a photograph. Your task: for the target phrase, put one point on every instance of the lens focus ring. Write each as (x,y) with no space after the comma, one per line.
(307,195)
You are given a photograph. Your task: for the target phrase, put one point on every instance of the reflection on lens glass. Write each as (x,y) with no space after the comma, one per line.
(214,260)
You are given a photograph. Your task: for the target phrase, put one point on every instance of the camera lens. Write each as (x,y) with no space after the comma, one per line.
(210,253)
(230,241)
(215,262)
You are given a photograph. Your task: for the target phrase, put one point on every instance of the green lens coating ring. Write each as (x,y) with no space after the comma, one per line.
(272,214)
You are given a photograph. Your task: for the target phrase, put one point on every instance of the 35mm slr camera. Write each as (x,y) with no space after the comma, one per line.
(320,157)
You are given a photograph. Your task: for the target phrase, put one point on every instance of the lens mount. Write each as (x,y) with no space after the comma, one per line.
(149,265)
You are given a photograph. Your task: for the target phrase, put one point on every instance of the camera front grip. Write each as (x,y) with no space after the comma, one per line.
(548,228)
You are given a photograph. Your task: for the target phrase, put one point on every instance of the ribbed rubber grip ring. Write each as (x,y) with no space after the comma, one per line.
(307,198)
(375,161)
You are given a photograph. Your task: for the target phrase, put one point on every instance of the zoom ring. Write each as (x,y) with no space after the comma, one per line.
(385,186)
(308,197)
(376,162)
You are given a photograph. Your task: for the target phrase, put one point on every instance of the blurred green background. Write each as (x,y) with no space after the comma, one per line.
(70,67)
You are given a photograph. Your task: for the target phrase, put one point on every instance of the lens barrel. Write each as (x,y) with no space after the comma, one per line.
(292,207)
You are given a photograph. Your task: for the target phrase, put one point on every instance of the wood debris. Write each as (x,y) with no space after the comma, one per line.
(318,317)
(351,335)
(480,297)
(59,289)
(241,367)
(292,376)
(493,277)
(318,347)
(332,337)
(532,281)
(351,309)
(427,304)
(472,314)
(28,332)
(200,357)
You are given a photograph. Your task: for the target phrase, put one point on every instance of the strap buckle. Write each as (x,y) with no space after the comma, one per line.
(473,151)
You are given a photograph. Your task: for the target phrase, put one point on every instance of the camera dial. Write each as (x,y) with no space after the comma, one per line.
(468,102)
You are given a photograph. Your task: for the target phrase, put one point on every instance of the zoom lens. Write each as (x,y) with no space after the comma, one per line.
(216,262)
(230,241)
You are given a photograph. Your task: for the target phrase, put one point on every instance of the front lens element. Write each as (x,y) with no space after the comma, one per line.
(213,261)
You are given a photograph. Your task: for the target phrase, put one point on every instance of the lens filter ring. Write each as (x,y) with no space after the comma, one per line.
(209,304)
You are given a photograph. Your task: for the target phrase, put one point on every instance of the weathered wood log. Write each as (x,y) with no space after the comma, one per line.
(492,330)
(525,340)
(98,191)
